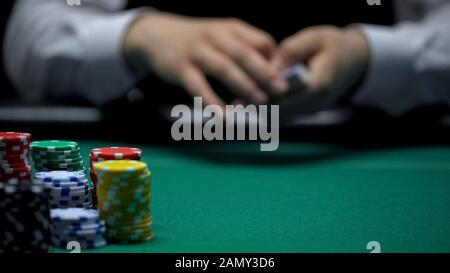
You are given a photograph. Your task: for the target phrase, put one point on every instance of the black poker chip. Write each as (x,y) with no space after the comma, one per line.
(24,217)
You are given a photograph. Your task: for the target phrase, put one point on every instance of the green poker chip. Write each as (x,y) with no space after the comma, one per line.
(53,155)
(54,145)
(49,169)
(51,160)
(59,165)
(63,154)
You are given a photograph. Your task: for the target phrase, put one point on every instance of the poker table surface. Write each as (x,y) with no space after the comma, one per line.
(305,197)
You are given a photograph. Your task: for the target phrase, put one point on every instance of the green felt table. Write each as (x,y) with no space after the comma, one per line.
(305,197)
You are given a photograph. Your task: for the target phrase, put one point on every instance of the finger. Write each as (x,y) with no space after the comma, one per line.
(297,48)
(238,102)
(218,65)
(249,59)
(197,85)
(321,72)
(257,38)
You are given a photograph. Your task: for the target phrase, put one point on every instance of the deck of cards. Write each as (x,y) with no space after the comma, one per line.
(298,78)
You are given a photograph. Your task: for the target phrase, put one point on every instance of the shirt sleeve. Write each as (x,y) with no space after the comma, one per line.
(52,48)
(409,64)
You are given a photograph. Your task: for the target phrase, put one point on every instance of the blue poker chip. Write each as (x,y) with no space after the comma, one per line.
(78,226)
(61,176)
(73,199)
(100,225)
(67,184)
(86,232)
(78,198)
(85,244)
(87,205)
(92,234)
(81,239)
(70,200)
(69,193)
(74,215)
(78,202)
(69,190)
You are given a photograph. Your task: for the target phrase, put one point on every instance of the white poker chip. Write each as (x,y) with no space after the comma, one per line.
(74,214)
(61,176)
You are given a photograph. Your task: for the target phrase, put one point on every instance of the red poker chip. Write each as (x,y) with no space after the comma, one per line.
(7,170)
(111,153)
(94,178)
(14,172)
(23,166)
(94,198)
(14,149)
(15,159)
(93,160)
(4,166)
(23,174)
(12,156)
(14,137)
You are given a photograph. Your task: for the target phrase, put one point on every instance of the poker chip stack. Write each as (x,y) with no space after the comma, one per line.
(76,224)
(14,156)
(24,217)
(109,153)
(54,155)
(66,189)
(124,195)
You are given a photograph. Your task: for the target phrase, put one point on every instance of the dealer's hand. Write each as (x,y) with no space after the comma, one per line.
(336,58)
(183,50)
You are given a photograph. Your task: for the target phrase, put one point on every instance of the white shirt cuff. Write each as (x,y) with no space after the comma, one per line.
(105,63)
(393,52)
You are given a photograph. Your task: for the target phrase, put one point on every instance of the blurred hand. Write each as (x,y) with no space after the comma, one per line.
(336,58)
(183,50)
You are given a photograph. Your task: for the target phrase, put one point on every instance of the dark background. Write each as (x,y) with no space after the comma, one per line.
(141,120)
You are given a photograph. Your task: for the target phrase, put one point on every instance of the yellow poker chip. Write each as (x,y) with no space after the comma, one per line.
(119,222)
(136,233)
(120,196)
(125,216)
(125,174)
(125,203)
(120,182)
(132,208)
(123,180)
(123,186)
(141,225)
(143,229)
(124,196)
(113,191)
(120,166)
(133,235)
(132,239)
(127,229)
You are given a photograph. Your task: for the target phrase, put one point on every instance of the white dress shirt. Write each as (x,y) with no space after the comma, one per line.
(67,49)
(410,62)
(64,49)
